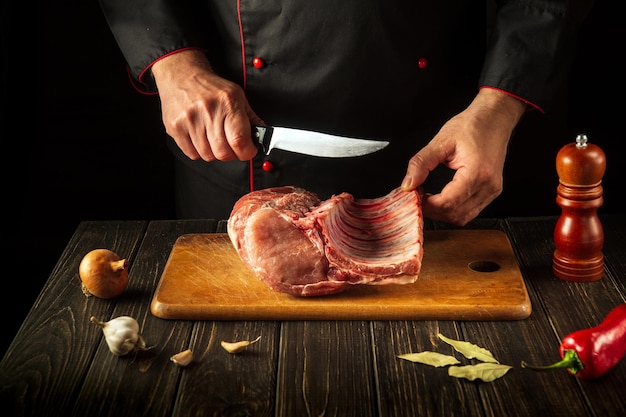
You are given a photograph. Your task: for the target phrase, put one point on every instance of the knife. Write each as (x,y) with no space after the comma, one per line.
(313,143)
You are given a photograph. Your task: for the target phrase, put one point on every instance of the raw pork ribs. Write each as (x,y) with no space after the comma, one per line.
(302,246)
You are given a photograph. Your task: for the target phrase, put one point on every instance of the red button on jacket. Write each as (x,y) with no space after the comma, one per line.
(267,166)
(258,62)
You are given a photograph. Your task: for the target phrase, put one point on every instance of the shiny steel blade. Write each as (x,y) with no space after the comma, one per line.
(315,143)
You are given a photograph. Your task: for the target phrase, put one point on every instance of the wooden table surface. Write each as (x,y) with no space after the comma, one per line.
(59,364)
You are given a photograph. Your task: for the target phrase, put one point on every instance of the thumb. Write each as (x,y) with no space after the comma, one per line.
(420,166)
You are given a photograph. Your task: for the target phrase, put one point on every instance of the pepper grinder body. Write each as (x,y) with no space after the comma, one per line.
(578,234)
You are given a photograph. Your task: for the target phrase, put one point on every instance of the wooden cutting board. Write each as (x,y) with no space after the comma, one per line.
(204,279)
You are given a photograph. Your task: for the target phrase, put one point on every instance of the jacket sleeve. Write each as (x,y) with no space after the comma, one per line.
(532,46)
(146,30)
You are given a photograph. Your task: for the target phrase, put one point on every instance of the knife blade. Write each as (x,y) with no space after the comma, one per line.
(314,143)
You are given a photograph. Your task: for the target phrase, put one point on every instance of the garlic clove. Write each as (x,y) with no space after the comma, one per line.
(183,358)
(123,348)
(236,347)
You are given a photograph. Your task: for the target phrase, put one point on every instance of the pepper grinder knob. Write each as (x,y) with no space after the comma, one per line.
(578,235)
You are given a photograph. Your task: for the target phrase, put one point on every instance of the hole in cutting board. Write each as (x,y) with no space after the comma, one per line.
(484,266)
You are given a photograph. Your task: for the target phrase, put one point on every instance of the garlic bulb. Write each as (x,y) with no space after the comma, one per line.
(122,335)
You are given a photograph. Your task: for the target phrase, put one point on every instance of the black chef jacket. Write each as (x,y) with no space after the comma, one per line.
(380,69)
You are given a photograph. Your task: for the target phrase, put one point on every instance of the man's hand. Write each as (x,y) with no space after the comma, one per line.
(474,144)
(208,116)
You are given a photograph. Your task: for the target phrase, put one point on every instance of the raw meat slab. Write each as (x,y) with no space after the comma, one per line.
(204,279)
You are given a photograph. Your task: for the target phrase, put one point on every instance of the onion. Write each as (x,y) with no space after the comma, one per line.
(103,274)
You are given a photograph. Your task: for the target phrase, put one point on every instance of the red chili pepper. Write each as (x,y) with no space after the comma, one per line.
(590,353)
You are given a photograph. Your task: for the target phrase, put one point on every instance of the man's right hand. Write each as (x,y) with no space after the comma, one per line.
(208,116)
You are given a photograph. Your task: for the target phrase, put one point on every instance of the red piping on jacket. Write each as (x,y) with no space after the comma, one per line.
(142,86)
(532,105)
(243,70)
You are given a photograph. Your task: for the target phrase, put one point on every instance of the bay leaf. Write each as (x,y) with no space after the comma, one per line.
(469,350)
(485,371)
(430,358)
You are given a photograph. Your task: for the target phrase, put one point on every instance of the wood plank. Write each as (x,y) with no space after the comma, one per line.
(219,383)
(326,369)
(204,279)
(414,389)
(570,306)
(417,389)
(521,393)
(518,394)
(42,370)
(145,384)
(614,254)
(515,394)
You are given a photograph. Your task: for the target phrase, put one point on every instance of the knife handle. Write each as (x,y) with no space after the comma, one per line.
(262,135)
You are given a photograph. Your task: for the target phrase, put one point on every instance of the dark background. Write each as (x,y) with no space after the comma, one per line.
(79,143)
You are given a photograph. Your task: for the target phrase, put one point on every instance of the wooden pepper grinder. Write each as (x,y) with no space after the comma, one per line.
(578,235)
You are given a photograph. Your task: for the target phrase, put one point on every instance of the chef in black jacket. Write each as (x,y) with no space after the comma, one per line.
(445,82)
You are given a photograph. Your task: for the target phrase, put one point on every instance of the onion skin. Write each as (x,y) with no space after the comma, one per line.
(103,274)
